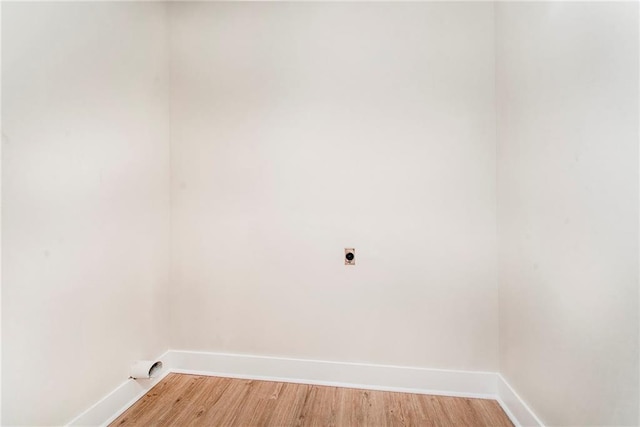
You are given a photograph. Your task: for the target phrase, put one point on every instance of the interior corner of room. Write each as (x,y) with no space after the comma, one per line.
(184,182)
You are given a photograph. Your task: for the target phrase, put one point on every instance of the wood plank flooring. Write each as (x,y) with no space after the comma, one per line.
(194,400)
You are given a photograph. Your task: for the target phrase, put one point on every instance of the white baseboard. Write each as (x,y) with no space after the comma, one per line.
(339,374)
(119,400)
(517,410)
(483,385)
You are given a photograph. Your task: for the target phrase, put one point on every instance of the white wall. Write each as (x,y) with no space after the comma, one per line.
(299,129)
(567,94)
(302,129)
(85,201)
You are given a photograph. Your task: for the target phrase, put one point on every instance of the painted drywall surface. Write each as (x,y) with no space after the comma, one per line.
(0,221)
(567,94)
(85,202)
(301,129)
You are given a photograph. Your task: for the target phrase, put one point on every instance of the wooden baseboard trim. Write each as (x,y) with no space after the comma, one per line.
(515,408)
(119,400)
(339,374)
(483,385)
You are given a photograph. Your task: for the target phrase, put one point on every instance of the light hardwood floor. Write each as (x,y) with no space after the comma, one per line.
(189,400)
